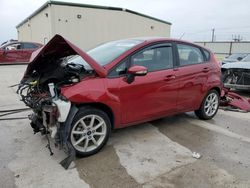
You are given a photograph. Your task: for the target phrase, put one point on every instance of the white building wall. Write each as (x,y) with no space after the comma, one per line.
(241,47)
(37,29)
(95,26)
(24,32)
(100,25)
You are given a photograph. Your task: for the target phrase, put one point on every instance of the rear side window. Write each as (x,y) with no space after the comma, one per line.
(189,55)
(28,46)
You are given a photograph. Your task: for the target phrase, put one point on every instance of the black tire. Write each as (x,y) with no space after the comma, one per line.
(201,113)
(85,114)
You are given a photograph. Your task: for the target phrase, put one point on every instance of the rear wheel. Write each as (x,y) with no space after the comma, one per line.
(90,131)
(209,106)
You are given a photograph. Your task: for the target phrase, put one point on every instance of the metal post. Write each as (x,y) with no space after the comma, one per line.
(213,34)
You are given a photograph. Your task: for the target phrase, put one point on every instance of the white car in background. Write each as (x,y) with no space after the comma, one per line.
(234,58)
(236,75)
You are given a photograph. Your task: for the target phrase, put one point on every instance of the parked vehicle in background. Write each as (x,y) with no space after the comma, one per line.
(17,52)
(237,75)
(246,59)
(8,41)
(233,58)
(79,97)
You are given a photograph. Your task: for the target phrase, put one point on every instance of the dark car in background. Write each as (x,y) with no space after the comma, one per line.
(234,57)
(17,52)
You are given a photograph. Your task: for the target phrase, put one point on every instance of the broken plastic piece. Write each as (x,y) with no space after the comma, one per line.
(232,99)
(196,155)
(71,156)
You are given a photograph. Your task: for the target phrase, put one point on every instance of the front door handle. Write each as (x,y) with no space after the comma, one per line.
(169,77)
(206,69)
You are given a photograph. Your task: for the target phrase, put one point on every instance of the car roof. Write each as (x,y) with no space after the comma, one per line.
(153,39)
(15,42)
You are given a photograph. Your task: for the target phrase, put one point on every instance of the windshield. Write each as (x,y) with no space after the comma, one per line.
(76,59)
(247,58)
(105,53)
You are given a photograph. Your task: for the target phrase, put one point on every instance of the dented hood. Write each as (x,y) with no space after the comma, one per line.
(57,48)
(237,65)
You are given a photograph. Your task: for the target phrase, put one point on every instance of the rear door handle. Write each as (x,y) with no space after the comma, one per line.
(206,69)
(169,77)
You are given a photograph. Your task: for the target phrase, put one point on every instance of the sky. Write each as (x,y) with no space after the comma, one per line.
(191,20)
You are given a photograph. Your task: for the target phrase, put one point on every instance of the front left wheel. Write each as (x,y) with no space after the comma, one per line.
(90,131)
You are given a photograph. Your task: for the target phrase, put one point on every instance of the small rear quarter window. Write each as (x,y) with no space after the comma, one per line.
(207,54)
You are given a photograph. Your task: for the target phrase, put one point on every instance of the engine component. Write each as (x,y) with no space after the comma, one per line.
(236,78)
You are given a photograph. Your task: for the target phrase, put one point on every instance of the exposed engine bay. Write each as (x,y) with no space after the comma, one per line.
(59,63)
(41,92)
(43,85)
(236,78)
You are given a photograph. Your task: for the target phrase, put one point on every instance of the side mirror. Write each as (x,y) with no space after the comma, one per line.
(135,71)
(138,70)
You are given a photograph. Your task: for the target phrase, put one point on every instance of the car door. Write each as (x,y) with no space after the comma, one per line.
(154,94)
(192,73)
(11,53)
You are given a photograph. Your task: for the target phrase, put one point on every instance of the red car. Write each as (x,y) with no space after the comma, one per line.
(17,52)
(80,97)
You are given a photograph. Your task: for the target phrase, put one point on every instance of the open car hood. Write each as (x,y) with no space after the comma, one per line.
(57,48)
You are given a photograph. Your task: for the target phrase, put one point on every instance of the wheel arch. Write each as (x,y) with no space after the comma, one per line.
(102,107)
(218,89)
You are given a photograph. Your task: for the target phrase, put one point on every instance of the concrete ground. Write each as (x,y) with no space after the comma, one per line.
(153,154)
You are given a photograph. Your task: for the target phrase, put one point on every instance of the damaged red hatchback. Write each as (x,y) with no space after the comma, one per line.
(80,97)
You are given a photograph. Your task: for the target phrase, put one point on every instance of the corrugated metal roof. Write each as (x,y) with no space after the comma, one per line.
(87,6)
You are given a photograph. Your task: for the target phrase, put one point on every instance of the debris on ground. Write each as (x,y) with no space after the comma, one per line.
(233,101)
(196,155)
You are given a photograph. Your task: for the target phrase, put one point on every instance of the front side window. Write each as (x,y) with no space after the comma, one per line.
(189,55)
(154,59)
(120,69)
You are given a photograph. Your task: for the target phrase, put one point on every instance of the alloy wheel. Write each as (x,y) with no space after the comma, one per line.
(88,133)
(211,104)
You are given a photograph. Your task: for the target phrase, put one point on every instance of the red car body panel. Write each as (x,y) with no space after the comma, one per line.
(194,82)
(234,101)
(158,94)
(16,55)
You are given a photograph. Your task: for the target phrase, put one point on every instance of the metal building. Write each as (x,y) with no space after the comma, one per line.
(88,25)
